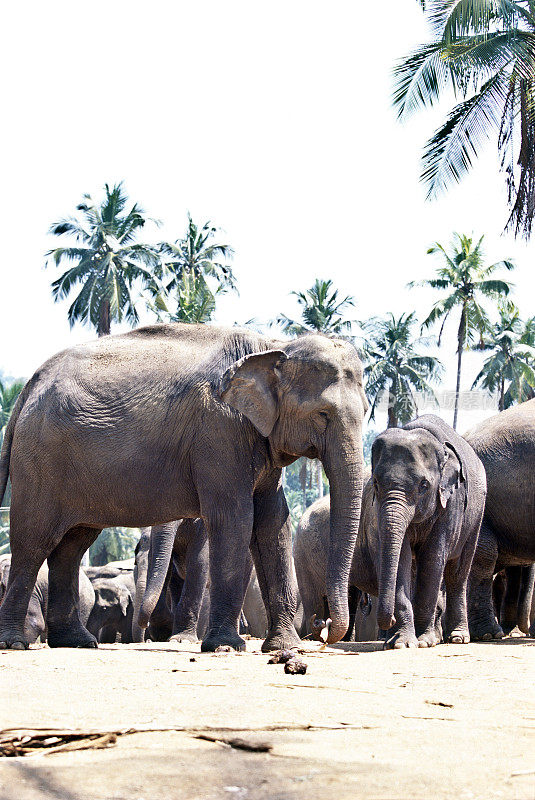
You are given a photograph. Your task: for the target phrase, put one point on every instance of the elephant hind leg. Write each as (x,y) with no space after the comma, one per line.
(32,538)
(482,620)
(65,628)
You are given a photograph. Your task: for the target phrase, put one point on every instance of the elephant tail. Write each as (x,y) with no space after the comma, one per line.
(5,454)
(162,540)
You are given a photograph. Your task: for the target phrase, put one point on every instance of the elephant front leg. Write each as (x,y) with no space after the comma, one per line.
(186,616)
(403,633)
(271,547)
(229,534)
(429,576)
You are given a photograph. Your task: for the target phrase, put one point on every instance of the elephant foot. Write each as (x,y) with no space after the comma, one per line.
(400,639)
(281,640)
(16,644)
(13,638)
(72,637)
(459,636)
(428,639)
(222,636)
(184,636)
(486,632)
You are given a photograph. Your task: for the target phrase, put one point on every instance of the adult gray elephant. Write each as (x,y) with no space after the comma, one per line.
(174,421)
(35,623)
(113,608)
(505,443)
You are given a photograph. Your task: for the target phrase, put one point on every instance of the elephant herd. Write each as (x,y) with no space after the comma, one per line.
(184,430)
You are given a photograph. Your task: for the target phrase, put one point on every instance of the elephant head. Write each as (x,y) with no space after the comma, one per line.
(306,398)
(414,474)
(113,602)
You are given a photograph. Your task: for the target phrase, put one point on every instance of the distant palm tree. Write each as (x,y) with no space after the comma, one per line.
(189,269)
(194,300)
(466,279)
(485,51)
(322,311)
(395,368)
(512,359)
(108,260)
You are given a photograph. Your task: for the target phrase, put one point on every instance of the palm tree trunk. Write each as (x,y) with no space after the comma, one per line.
(319,478)
(104,321)
(303,481)
(460,346)
(501,400)
(392,418)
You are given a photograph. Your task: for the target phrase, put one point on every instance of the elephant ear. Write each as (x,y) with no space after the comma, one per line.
(451,474)
(250,386)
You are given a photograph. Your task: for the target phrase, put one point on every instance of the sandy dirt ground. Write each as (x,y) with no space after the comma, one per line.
(451,722)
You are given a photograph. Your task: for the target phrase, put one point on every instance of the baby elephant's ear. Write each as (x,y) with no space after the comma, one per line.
(250,386)
(450,477)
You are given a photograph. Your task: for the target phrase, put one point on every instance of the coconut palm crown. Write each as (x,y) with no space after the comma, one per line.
(107,260)
(485,51)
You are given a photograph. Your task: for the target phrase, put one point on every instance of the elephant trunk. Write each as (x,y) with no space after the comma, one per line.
(161,547)
(344,468)
(140,579)
(394,517)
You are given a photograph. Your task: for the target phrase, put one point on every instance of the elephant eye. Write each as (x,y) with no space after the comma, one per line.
(424,485)
(324,418)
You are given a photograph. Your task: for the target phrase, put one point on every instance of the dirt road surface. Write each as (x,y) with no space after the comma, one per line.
(451,722)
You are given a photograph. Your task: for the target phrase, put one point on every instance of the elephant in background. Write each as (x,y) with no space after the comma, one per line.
(35,624)
(113,609)
(179,611)
(110,570)
(310,557)
(505,443)
(173,421)
(514,599)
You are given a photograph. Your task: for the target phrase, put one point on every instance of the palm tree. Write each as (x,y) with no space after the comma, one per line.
(395,368)
(485,50)
(195,301)
(322,311)
(512,359)
(107,260)
(465,278)
(196,254)
(188,266)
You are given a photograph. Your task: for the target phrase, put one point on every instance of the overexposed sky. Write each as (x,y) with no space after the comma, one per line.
(271,119)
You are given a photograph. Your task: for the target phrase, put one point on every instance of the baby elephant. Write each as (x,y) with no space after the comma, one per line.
(113,609)
(428,491)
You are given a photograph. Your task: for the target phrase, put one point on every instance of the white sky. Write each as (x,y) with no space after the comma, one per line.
(271,119)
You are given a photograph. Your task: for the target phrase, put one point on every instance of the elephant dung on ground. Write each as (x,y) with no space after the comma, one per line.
(505,443)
